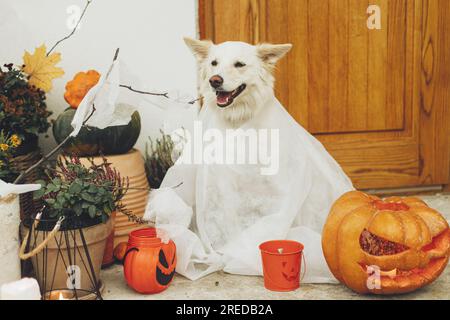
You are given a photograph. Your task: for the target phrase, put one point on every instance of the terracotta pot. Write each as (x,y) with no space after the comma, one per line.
(129,165)
(9,241)
(108,256)
(57,256)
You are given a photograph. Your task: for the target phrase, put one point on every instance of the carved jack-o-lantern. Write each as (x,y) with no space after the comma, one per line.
(149,264)
(386,246)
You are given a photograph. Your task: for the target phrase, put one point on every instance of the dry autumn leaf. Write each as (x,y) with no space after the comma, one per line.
(41,68)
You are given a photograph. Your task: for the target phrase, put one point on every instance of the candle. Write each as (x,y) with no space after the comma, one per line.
(24,289)
(59,295)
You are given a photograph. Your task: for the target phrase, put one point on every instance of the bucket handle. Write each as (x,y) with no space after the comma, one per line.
(43,244)
(304,267)
(129,251)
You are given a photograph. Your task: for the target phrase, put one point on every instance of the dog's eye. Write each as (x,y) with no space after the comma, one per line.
(214,63)
(239,64)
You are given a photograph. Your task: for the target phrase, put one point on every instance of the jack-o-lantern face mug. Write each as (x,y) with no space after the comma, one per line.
(395,245)
(149,264)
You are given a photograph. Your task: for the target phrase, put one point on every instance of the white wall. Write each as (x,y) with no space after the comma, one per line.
(148,32)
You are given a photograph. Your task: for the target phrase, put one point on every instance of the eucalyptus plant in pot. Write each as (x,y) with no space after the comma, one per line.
(77,198)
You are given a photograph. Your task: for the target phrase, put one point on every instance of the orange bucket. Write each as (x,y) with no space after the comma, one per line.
(281,260)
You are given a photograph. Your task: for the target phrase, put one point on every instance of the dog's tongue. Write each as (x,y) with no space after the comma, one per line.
(223,97)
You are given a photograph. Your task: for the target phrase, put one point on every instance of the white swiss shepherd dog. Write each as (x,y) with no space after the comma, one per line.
(223,211)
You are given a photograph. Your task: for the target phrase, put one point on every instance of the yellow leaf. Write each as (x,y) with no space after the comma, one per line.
(41,69)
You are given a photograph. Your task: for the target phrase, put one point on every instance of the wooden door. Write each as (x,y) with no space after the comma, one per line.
(377,99)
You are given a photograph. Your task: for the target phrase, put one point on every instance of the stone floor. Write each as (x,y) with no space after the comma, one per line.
(231,287)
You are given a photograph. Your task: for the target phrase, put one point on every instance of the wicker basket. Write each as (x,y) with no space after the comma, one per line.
(28,206)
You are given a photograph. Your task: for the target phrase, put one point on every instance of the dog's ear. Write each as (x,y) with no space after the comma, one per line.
(200,48)
(271,53)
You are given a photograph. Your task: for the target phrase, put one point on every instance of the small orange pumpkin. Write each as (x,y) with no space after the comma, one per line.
(77,88)
(119,251)
(395,245)
(149,264)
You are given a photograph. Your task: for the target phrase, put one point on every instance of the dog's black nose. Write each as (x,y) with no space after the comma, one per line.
(216,81)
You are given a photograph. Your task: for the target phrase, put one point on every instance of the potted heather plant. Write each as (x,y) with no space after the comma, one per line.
(76,197)
(83,195)
(158,159)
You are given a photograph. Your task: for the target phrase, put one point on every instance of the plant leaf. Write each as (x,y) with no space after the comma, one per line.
(41,68)
(92,211)
(93,189)
(75,188)
(87,197)
(39,193)
(78,209)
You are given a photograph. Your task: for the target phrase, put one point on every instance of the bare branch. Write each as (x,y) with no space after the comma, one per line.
(88,2)
(132,217)
(195,100)
(165,94)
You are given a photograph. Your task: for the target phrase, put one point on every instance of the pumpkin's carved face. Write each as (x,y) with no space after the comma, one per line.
(386,246)
(165,269)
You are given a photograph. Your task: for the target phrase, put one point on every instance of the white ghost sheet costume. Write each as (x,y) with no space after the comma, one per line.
(113,105)
(9,188)
(222,212)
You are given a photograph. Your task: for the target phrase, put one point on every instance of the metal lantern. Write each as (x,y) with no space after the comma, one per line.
(66,261)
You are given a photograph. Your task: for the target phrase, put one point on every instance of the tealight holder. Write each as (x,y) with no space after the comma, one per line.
(66,261)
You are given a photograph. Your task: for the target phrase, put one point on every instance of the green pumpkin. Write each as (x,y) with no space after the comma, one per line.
(93,141)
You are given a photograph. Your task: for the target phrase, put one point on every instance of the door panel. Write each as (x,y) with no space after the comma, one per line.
(377,99)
